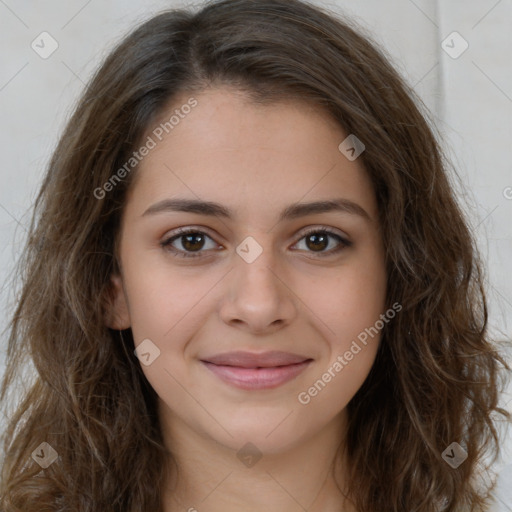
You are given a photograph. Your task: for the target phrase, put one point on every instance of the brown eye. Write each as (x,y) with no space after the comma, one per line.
(319,239)
(189,243)
(192,241)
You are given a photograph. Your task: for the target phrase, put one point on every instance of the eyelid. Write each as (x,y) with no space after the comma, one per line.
(313,228)
(176,234)
(343,240)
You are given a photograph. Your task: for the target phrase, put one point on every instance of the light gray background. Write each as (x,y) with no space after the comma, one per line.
(470,98)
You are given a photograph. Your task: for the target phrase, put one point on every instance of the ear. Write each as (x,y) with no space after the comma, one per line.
(117,312)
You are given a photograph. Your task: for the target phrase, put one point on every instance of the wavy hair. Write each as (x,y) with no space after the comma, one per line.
(437,375)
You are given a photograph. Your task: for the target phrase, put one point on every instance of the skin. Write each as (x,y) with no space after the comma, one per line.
(293,297)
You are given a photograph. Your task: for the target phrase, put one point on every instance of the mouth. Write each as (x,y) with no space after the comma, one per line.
(251,371)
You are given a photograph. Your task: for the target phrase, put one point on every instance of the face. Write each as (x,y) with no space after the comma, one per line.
(245,324)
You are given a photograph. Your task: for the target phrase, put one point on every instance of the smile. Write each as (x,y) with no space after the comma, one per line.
(254,372)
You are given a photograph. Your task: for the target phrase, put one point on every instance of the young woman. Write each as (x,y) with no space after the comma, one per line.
(248,285)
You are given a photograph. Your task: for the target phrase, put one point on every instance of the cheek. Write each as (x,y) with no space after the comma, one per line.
(330,391)
(350,309)
(352,344)
(347,301)
(164,299)
(169,306)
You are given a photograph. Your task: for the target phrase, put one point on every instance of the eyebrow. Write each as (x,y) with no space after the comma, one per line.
(293,211)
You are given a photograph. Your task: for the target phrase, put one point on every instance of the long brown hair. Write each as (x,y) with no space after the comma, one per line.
(437,376)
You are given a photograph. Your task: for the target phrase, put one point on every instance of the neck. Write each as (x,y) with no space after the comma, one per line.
(206,475)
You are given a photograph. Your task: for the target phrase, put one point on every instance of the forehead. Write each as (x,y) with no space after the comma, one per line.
(230,150)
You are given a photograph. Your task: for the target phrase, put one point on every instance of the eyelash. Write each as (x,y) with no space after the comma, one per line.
(166,244)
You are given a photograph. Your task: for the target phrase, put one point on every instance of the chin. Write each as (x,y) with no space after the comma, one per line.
(270,434)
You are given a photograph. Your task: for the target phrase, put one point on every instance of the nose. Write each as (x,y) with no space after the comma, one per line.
(257,297)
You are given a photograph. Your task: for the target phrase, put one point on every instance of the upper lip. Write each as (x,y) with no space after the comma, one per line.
(251,360)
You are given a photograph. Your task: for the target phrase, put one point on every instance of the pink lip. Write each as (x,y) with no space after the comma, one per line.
(251,371)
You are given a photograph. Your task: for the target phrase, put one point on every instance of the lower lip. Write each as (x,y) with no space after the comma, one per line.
(257,378)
